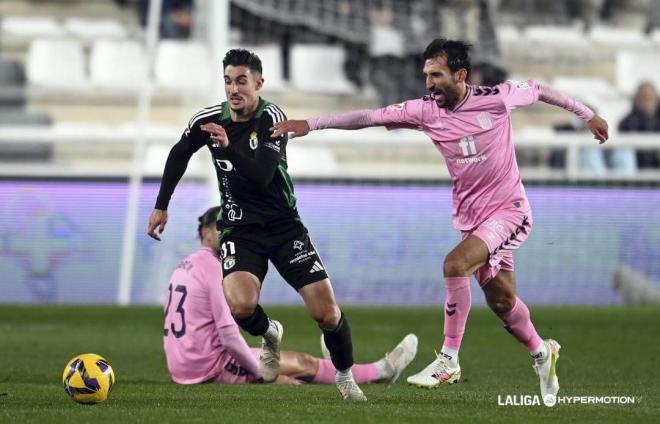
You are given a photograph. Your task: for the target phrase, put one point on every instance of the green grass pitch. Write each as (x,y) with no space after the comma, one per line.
(605,351)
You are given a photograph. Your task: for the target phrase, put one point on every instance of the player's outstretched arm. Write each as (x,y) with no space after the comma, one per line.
(353,120)
(595,123)
(157,220)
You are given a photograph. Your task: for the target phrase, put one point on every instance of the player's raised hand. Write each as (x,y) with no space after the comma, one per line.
(217,133)
(157,219)
(293,127)
(598,127)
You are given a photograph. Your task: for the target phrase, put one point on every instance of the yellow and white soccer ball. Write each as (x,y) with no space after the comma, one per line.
(88,378)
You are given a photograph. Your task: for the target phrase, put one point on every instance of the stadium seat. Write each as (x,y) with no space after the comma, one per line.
(318,68)
(311,161)
(633,67)
(57,64)
(507,34)
(94,29)
(618,37)
(117,65)
(183,66)
(557,36)
(654,36)
(273,67)
(586,89)
(19,27)
(613,111)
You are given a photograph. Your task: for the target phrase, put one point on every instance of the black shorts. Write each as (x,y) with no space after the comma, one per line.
(287,245)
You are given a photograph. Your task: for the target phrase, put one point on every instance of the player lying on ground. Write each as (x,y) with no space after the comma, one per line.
(471,127)
(203,343)
(259,219)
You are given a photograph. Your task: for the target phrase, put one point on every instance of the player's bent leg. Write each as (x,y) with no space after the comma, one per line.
(501,297)
(320,301)
(242,293)
(241,290)
(299,365)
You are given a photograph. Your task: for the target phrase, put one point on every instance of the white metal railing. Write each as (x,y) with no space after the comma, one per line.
(330,140)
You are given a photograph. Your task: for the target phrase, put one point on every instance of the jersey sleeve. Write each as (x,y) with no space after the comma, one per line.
(517,94)
(272,146)
(191,141)
(409,114)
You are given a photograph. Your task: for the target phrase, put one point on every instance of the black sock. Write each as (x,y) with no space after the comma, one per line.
(256,324)
(339,343)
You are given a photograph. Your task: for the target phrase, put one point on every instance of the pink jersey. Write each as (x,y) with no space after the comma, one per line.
(475,139)
(195,312)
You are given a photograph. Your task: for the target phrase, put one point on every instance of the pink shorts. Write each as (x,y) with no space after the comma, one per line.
(232,374)
(503,232)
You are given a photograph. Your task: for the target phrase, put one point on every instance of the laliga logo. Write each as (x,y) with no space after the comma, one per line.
(550,400)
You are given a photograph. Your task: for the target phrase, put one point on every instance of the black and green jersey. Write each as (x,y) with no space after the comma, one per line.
(255,187)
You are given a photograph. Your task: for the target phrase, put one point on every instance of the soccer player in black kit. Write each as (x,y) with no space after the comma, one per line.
(259,219)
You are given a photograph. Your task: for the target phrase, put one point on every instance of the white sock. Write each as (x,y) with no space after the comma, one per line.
(381,369)
(347,374)
(451,354)
(271,333)
(540,354)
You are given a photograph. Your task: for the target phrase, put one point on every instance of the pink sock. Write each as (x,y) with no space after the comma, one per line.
(457,308)
(517,322)
(363,373)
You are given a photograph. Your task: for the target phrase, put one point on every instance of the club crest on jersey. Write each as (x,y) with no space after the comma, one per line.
(253,140)
(485,120)
(229,262)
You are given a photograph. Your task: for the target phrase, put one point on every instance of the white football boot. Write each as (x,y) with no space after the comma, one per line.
(270,354)
(400,357)
(438,373)
(547,372)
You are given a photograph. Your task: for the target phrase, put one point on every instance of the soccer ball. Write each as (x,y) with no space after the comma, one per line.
(88,378)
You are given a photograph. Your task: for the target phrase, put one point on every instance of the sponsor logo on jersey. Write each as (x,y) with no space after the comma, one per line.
(254,141)
(234,213)
(229,262)
(298,245)
(224,165)
(473,159)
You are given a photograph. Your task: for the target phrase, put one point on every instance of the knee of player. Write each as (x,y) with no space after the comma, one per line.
(327,316)
(242,309)
(455,267)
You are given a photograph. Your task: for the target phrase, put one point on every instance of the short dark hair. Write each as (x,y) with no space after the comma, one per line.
(242,57)
(209,217)
(455,52)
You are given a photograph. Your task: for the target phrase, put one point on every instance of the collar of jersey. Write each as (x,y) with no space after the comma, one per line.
(226,115)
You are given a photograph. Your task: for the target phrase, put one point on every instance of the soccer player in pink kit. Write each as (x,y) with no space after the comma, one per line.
(203,343)
(471,127)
